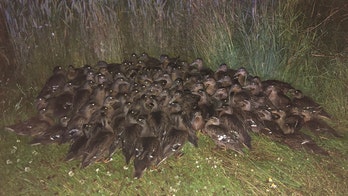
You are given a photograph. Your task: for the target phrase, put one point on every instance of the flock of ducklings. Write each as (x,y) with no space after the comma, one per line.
(149,108)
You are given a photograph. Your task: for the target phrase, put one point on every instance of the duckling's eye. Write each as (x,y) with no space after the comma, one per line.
(151,105)
(275,116)
(176,146)
(163,82)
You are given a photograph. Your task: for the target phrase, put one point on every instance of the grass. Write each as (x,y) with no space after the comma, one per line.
(282,40)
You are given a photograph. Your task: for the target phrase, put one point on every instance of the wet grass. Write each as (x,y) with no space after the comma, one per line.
(285,41)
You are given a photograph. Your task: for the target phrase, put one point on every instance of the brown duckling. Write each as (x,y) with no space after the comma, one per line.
(317,125)
(221,94)
(282,86)
(242,77)
(225,82)
(279,116)
(36,125)
(53,134)
(278,98)
(130,138)
(77,146)
(210,85)
(82,95)
(300,141)
(99,93)
(62,104)
(77,122)
(167,78)
(221,72)
(222,136)
(197,122)
(97,146)
(54,84)
(235,120)
(172,143)
(77,76)
(304,102)
(147,154)
(148,60)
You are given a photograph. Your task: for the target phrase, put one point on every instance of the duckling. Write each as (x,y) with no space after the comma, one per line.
(296,140)
(62,104)
(304,102)
(114,68)
(97,146)
(210,85)
(148,60)
(183,123)
(130,138)
(317,125)
(36,125)
(77,76)
(254,122)
(98,95)
(222,136)
(224,82)
(154,89)
(197,63)
(54,84)
(146,154)
(41,103)
(300,141)
(172,143)
(53,134)
(221,94)
(255,86)
(197,122)
(133,58)
(203,70)
(100,78)
(82,95)
(239,97)
(163,97)
(77,146)
(178,84)
(101,64)
(284,87)
(279,116)
(197,86)
(234,120)
(77,122)
(278,98)
(157,121)
(221,71)
(167,78)
(242,76)
(120,85)
(205,104)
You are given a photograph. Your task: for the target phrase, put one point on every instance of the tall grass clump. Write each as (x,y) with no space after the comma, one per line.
(213,32)
(265,37)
